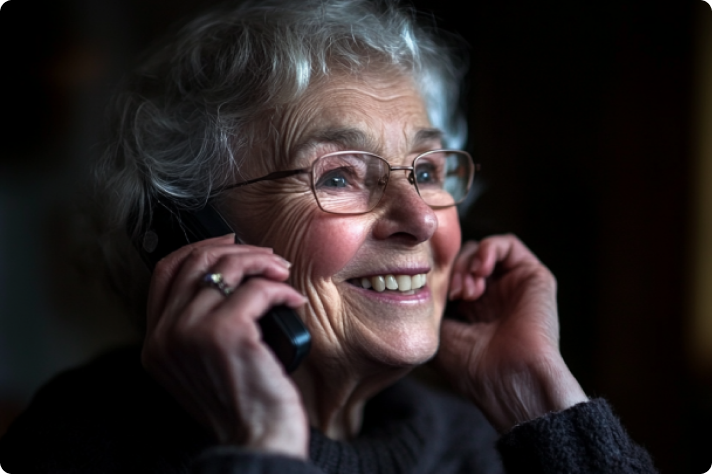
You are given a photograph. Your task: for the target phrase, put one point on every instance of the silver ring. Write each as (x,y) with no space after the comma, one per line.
(215,280)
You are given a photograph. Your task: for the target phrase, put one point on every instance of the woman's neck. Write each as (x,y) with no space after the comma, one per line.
(334,397)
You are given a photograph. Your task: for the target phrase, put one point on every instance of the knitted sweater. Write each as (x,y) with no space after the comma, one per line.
(111,417)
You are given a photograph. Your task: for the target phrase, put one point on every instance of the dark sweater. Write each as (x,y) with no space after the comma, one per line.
(111,417)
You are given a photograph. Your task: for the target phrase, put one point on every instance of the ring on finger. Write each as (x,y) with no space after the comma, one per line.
(215,280)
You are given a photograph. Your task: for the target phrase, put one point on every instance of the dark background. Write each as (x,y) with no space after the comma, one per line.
(581,113)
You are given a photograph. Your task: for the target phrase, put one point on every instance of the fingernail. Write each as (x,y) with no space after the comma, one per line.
(284,261)
(469,287)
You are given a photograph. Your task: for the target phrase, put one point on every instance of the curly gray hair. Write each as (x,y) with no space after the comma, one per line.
(188,116)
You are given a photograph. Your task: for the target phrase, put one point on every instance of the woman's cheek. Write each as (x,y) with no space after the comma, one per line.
(446,242)
(331,243)
(447,239)
(316,243)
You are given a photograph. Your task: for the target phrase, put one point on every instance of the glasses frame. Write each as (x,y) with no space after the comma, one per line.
(286,174)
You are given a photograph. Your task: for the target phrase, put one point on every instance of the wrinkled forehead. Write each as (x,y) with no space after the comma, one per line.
(379,113)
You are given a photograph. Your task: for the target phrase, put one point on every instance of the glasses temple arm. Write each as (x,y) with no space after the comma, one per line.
(271,176)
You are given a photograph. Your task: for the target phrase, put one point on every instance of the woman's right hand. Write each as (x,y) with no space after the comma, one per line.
(206,348)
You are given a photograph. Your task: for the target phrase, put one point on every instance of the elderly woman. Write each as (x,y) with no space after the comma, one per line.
(325,134)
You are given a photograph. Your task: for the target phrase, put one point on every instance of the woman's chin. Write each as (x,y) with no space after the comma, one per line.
(403,350)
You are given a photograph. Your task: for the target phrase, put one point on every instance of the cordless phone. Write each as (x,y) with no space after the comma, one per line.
(167,229)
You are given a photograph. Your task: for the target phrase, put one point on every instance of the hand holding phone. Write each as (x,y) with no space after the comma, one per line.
(169,229)
(204,348)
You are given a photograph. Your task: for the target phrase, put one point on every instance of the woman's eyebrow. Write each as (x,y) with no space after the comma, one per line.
(348,138)
(355,139)
(425,136)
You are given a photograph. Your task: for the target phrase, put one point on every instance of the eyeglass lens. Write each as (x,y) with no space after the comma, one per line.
(354,182)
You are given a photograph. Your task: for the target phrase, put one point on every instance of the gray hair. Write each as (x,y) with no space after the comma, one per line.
(190,113)
(186,118)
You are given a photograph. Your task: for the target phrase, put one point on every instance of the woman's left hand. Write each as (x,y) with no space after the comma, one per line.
(506,357)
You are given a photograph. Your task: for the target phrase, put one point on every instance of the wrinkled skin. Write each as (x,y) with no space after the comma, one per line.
(206,348)
(359,344)
(506,356)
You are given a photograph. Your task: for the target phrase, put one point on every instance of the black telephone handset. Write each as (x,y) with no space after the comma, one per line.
(169,229)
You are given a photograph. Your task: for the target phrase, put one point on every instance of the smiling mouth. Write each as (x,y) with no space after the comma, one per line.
(401,284)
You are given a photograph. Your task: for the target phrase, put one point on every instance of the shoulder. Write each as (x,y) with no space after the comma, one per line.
(108,414)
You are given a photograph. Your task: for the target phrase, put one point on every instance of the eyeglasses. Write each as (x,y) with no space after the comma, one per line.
(353,182)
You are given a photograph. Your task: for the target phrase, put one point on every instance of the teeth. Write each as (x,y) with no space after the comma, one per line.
(394,282)
(405,282)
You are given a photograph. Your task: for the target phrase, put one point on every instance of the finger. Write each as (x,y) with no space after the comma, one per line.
(167,269)
(467,251)
(234,315)
(460,268)
(167,266)
(234,268)
(477,261)
(170,263)
(219,327)
(455,286)
(505,251)
(257,295)
(470,288)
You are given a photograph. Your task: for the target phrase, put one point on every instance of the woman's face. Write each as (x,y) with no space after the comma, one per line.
(331,254)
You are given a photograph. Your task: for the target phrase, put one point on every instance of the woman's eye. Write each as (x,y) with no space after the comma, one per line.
(338,178)
(425,175)
(334,182)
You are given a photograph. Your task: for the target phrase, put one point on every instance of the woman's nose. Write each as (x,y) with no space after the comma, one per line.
(404,214)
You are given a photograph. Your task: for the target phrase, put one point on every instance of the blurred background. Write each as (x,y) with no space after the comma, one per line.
(593,124)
